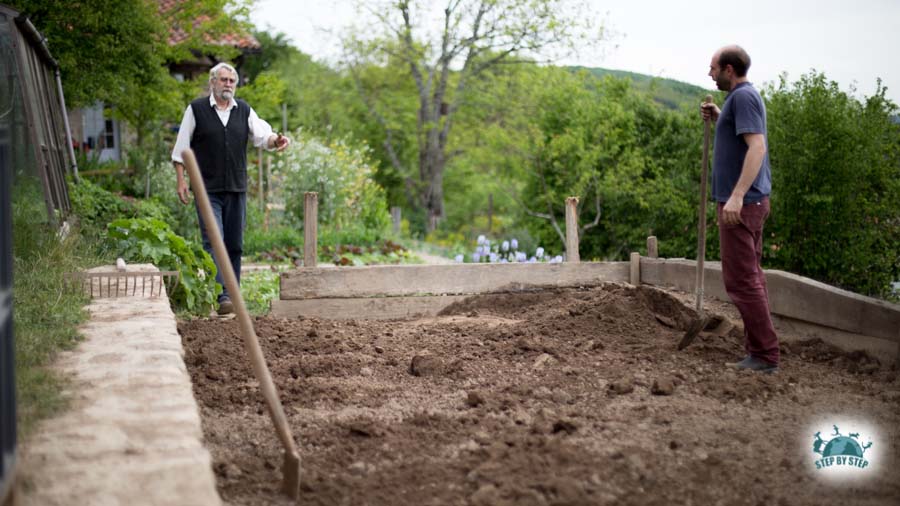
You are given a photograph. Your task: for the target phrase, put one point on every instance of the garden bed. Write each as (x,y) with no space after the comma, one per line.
(562,396)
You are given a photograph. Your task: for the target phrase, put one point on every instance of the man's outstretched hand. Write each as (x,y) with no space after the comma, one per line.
(281,142)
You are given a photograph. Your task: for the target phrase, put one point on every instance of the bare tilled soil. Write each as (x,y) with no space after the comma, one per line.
(554,397)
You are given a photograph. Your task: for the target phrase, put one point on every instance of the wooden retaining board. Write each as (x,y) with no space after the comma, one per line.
(370,308)
(455,279)
(366,292)
(790,295)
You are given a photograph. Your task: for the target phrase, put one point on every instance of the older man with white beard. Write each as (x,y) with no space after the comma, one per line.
(217,128)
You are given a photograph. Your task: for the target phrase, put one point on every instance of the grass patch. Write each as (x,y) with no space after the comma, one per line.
(45,316)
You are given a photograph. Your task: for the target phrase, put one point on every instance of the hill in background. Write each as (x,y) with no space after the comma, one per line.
(668,92)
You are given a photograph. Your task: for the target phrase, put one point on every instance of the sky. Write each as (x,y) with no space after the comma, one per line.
(853,43)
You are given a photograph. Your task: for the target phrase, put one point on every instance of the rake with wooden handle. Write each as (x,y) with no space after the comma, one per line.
(700,321)
(291,464)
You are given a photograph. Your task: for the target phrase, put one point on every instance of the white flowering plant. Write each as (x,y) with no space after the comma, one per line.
(505,251)
(349,199)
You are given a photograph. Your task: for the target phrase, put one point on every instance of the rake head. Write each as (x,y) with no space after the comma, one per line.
(122,284)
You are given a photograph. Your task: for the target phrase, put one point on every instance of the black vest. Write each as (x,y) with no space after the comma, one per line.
(221,151)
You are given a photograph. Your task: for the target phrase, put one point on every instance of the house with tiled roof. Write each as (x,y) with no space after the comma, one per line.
(201,63)
(102,136)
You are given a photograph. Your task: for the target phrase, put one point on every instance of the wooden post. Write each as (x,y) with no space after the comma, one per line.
(268,180)
(395,219)
(490,211)
(652,248)
(310,229)
(572,230)
(634,276)
(262,203)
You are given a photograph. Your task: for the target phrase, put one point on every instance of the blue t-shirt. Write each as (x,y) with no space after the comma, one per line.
(743,112)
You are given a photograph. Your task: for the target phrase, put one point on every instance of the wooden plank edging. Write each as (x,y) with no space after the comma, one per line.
(453,279)
(370,308)
(790,295)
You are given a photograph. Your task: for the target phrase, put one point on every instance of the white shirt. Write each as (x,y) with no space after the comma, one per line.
(260,130)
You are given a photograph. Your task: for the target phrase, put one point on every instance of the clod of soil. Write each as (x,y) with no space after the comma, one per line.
(474,399)
(622,387)
(663,386)
(425,365)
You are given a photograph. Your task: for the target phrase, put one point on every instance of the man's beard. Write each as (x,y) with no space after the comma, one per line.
(723,83)
(227,95)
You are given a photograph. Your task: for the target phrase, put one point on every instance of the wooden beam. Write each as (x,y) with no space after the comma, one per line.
(453,279)
(572,253)
(382,308)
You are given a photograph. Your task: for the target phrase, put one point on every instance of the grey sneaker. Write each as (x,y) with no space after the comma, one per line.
(225,306)
(754,364)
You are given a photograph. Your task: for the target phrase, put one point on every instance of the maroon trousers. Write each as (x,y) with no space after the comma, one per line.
(741,250)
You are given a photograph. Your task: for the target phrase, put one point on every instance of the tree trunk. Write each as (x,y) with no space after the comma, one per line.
(432,164)
(434,198)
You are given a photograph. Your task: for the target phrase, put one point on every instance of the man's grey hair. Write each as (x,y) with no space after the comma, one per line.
(214,72)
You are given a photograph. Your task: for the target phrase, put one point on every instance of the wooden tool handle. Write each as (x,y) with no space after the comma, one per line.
(251,343)
(701,226)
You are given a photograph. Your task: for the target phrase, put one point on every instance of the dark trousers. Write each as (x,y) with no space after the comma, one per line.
(230,211)
(741,250)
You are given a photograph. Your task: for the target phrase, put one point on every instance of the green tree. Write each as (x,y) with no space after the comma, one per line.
(491,148)
(116,51)
(319,99)
(474,36)
(349,199)
(266,93)
(274,50)
(633,163)
(836,183)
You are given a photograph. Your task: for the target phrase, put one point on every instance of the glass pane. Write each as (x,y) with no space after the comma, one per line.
(14,132)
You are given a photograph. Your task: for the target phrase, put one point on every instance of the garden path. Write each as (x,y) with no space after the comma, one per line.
(131,434)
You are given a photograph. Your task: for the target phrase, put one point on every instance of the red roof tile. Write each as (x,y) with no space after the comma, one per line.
(177,35)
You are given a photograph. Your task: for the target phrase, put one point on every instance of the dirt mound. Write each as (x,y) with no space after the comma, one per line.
(816,350)
(565,396)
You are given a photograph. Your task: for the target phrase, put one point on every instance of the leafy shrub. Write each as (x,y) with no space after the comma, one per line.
(258,241)
(151,240)
(350,201)
(95,206)
(354,233)
(153,208)
(110,175)
(633,164)
(182,218)
(259,289)
(836,184)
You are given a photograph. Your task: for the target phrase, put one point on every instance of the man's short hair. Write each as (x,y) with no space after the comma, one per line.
(214,72)
(737,58)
